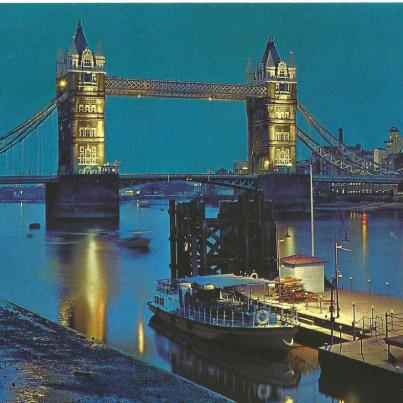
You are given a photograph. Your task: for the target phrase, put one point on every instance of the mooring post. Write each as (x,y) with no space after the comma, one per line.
(341,342)
(372,316)
(387,334)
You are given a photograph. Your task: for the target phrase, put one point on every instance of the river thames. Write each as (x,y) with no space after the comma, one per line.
(82,277)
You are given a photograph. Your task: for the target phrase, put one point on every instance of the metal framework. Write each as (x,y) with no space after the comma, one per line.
(182,89)
(16,135)
(247,182)
(330,157)
(349,160)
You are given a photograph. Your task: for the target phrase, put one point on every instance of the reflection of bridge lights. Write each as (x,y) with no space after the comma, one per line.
(140,335)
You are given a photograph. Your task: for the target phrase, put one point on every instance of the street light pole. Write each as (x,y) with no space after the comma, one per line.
(337,272)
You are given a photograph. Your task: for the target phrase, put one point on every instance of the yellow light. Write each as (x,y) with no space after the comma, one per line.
(62,83)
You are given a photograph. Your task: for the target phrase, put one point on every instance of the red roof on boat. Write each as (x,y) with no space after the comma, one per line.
(299,259)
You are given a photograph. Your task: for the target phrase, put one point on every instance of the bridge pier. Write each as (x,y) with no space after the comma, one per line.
(83,197)
(289,193)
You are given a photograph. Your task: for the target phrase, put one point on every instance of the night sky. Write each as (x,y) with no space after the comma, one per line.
(349,62)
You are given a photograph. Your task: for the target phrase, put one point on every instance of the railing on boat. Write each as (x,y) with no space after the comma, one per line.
(235,319)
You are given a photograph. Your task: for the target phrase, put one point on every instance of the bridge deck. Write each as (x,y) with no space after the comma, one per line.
(244,181)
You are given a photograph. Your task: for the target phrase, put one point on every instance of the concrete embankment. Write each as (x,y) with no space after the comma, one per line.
(43,361)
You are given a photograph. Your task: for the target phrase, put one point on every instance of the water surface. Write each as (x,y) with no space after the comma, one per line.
(82,277)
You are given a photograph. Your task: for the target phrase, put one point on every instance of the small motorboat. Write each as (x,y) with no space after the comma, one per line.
(34,225)
(136,242)
(143,204)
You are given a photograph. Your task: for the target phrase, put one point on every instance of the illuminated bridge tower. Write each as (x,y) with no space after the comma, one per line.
(87,188)
(81,73)
(272,120)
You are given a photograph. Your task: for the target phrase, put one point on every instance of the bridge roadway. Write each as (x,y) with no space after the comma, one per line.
(230,180)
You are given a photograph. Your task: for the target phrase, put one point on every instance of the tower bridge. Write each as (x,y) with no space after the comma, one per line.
(86,186)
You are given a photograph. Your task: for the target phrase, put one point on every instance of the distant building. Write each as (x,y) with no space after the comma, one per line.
(379,155)
(303,167)
(240,167)
(393,161)
(394,144)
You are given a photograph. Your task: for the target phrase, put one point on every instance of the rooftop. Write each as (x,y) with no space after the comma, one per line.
(299,259)
(226,280)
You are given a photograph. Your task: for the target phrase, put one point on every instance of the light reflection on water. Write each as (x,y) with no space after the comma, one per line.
(82,277)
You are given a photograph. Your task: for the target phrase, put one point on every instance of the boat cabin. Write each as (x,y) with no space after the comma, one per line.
(213,292)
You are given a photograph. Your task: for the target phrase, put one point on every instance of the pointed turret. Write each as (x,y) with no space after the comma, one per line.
(292,63)
(79,40)
(72,49)
(249,72)
(270,66)
(100,49)
(270,61)
(292,66)
(271,48)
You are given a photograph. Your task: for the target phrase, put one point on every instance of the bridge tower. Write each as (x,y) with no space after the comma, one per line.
(81,73)
(87,188)
(272,120)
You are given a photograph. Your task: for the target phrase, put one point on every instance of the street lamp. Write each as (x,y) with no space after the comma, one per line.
(333,286)
(337,272)
(278,240)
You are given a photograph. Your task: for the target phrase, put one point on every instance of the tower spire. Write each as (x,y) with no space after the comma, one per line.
(270,61)
(292,63)
(249,72)
(79,39)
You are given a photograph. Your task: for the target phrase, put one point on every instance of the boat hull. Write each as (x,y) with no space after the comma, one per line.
(273,337)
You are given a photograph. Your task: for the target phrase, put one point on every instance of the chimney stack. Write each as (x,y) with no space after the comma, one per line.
(341,137)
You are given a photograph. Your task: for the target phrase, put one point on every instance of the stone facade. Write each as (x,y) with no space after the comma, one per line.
(272,120)
(81,73)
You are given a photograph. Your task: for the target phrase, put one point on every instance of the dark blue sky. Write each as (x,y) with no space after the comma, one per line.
(349,61)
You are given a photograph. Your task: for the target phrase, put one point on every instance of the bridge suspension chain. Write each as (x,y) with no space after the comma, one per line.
(341,150)
(330,157)
(18,134)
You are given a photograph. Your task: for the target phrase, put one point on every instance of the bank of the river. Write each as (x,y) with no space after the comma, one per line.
(367,206)
(43,361)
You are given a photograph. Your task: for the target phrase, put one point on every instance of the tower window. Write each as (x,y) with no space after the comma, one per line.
(88,155)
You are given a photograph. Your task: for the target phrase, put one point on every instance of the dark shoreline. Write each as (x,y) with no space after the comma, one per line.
(41,359)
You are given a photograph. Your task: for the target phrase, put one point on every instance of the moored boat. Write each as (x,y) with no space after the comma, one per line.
(136,242)
(143,204)
(218,308)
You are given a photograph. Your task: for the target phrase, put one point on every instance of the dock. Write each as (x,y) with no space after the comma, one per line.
(359,312)
(44,361)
